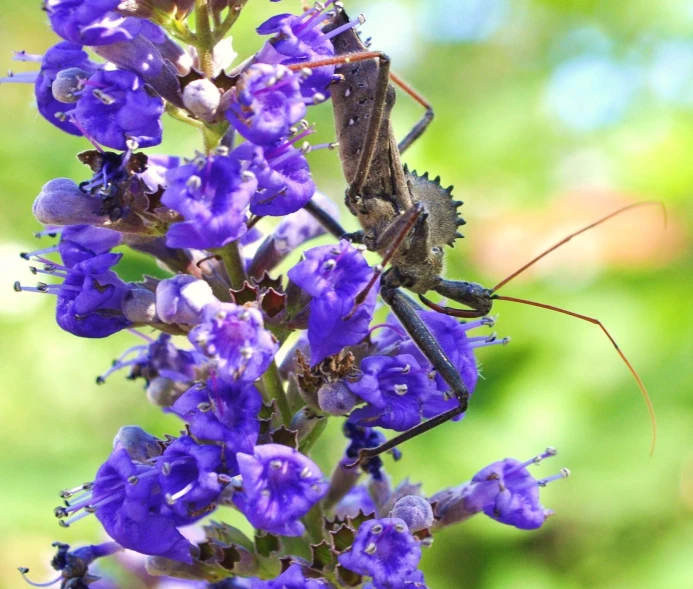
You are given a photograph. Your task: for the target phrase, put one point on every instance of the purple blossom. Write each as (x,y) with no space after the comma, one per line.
(74,564)
(395,388)
(157,168)
(91,22)
(453,337)
(159,358)
(265,103)
(236,338)
(181,299)
(385,550)
(505,491)
(222,412)
(115,106)
(128,501)
(280,485)
(333,276)
(191,477)
(60,57)
(300,38)
(284,181)
(79,243)
(212,194)
(90,298)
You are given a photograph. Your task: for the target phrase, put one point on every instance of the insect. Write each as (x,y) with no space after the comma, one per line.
(407,218)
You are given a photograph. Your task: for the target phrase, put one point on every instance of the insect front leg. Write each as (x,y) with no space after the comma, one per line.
(473,295)
(404,309)
(331,224)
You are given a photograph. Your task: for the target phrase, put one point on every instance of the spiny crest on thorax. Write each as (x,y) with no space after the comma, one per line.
(443,217)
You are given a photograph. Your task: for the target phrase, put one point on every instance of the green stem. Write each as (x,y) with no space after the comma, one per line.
(232,16)
(205,38)
(306,445)
(230,255)
(315,524)
(274,389)
(181,115)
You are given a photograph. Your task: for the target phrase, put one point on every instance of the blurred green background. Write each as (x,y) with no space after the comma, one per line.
(548,114)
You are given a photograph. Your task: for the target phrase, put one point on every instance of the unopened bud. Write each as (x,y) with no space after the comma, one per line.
(163,392)
(139,444)
(201,98)
(335,398)
(139,305)
(61,202)
(415,511)
(68,83)
(181,299)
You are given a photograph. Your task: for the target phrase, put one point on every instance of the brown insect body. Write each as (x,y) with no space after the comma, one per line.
(388,189)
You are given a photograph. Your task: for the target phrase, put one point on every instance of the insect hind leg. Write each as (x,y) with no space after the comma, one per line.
(404,309)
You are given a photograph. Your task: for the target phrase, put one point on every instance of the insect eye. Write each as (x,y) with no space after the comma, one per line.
(436,250)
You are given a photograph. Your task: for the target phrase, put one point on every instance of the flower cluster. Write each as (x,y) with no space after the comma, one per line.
(223,314)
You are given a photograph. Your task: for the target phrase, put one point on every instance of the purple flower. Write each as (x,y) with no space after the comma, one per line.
(453,337)
(74,564)
(300,38)
(504,490)
(222,412)
(355,501)
(292,578)
(265,103)
(236,338)
(79,243)
(280,485)
(181,299)
(385,550)
(191,477)
(212,194)
(127,500)
(284,181)
(60,57)
(333,276)
(395,388)
(157,168)
(91,22)
(115,107)
(159,358)
(62,202)
(414,581)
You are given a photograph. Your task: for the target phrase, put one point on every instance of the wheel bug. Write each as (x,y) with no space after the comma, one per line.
(408,218)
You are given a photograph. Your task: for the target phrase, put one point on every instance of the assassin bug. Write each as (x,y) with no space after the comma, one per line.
(407,218)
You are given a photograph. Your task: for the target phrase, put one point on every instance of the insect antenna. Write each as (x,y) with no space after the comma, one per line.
(408,220)
(579,232)
(592,320)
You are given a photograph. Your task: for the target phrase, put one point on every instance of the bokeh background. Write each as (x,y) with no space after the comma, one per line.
(549,113)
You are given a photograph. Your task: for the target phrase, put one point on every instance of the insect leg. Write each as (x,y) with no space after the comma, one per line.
(425,119)
(402,306)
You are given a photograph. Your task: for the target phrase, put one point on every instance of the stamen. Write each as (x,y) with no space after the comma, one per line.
(548,453)
(24,56)
(564,474)
(359,20)
(24,571)
(171,499)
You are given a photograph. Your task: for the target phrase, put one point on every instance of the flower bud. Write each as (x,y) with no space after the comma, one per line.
(67,83)
(139,444)
(201,98)
(138,305)
(415,511)
(61,202)
(164,392)
(181,299)
(335,398)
